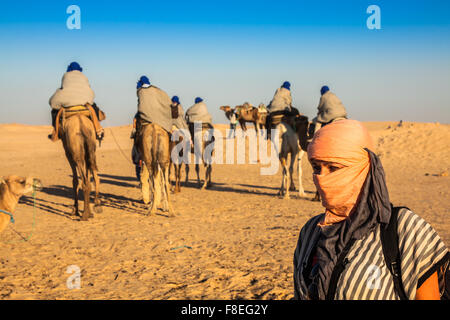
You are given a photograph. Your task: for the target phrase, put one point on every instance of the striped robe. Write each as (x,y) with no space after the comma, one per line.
(366,276)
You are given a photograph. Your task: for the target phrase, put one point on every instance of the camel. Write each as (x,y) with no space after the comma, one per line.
(207,145)
(228,111)
(79,142)
(246,113)
(177,165)
(294,143)
(153,144)
(11,189)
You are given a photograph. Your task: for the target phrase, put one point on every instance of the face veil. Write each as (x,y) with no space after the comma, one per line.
(342,142)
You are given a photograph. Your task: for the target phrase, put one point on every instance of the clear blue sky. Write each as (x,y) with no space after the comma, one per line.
(229,52)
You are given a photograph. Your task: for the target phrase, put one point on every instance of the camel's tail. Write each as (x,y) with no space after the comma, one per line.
(89,146)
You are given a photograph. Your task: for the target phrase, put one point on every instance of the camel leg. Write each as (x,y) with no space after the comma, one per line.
(177,178)
(97,202)
(286,178)
(173,186)
(186,168)
(284,189)
(291,172)
(301,191)
(75,211)
(177,168)
(87,193)
(197,170)
(205,183)
(166,185)
(145,185)
(280,192)
(155,179)
(209,176)
(243,127)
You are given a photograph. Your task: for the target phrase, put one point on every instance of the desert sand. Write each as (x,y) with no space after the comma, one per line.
(233,241)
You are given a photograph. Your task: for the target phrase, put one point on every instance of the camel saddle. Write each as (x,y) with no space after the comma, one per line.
(191,127)
(86,110)
(287,117)
(140,123)
(245,109)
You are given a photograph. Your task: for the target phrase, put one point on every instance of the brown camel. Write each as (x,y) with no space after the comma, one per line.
(246,113)
(205,152)
(153,145)
(11,189)
(79,142)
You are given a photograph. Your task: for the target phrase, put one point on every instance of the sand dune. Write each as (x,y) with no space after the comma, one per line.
(234,241)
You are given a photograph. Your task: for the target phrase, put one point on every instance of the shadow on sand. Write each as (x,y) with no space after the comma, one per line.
(123,178)
(124,203)
(108,200)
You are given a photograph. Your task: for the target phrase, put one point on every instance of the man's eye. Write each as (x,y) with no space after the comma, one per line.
(334,168)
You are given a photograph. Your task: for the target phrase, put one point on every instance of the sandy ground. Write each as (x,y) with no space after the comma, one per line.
(234,241)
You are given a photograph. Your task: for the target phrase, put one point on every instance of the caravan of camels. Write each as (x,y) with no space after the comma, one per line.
(164,137)
(156,147)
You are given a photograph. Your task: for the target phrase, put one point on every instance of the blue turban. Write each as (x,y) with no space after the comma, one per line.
(175,99)
(324,90)
(143,80)
(198,100)
(286,85)
(74,66)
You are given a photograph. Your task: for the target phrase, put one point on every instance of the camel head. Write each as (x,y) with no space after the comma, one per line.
(11,189)
(225,108)
(18,186)
(101,115)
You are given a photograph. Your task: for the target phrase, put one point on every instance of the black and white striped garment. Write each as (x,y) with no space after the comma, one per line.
(366,276)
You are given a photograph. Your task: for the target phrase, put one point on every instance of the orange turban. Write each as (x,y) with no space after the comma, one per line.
(341,142)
